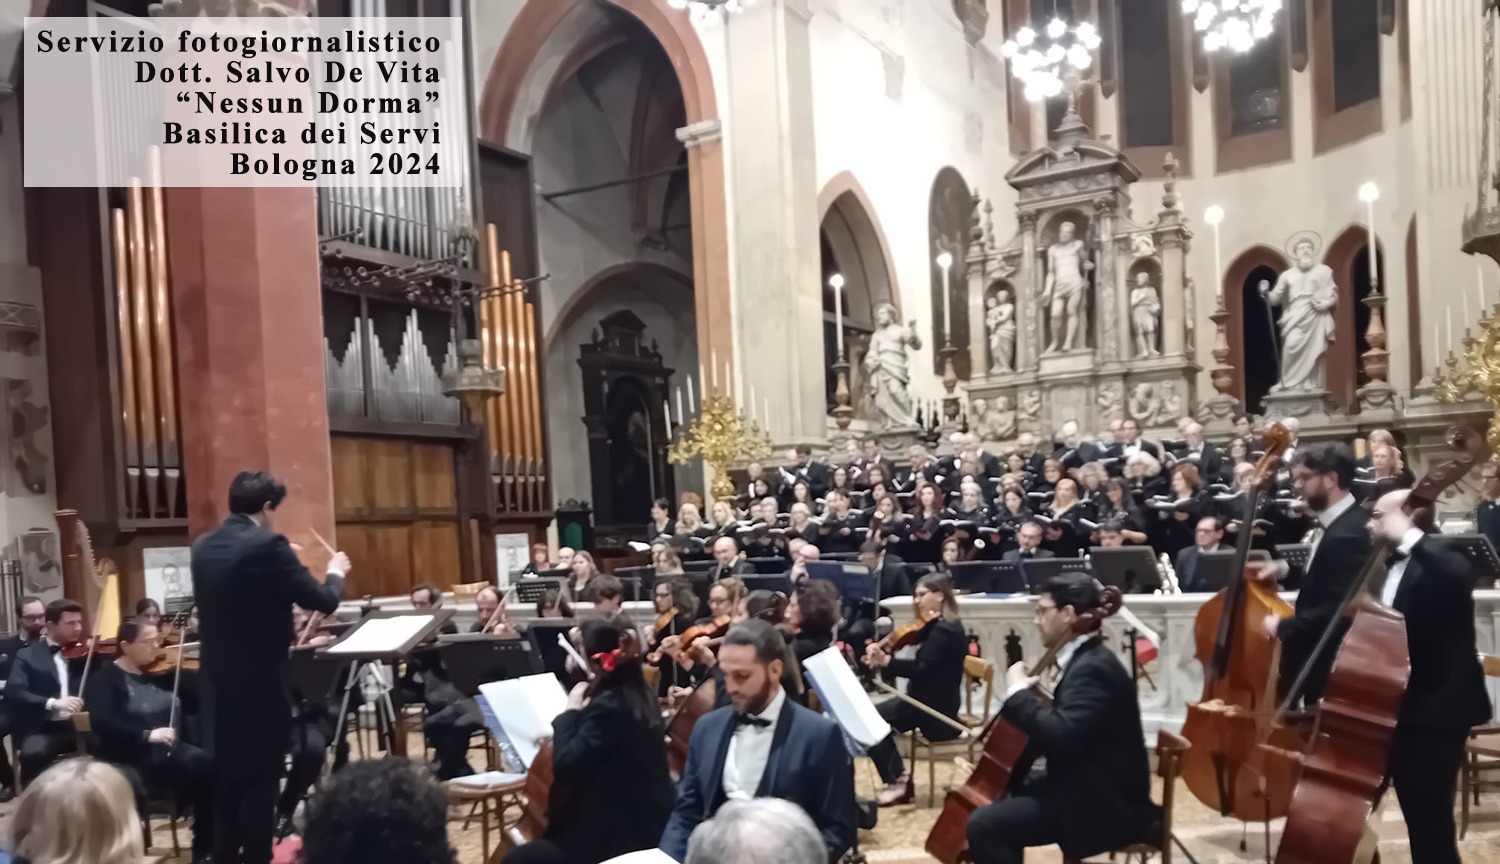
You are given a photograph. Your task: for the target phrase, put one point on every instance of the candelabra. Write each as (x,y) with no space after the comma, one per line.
(843,409)
(720,434)
(1475,371)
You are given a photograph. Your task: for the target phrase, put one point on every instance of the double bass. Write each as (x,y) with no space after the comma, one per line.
(1002,764)
(1344,766)
(1240,681)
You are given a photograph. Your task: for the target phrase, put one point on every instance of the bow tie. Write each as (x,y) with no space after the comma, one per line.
(53,649)
(743,719)
(1398,555)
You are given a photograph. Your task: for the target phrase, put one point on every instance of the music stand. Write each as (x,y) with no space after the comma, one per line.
(1296,556)
(531,590)
(780,582)
(631,588)
(384,636)
(1480,552)
(973,577)
(768,566)
(1214,570)
(699,565)
(543,638)
(1132,569)
(1036,571)
(854,582)
(1009,579)
(473,659)
(554,573)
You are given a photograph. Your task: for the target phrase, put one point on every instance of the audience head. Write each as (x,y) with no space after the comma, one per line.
(378,811)
(1015,501)
(871,447)
(1387,460)
(1243,426)
(1062,599)
(803,454)
(79,811)
(1239,450)
(1192,432)
(1293,425)
(1025,444)
(1210,532)
(1117,430)
(1130,429)
(31,616)
(1052,470)
(1243,473)
(811,553)
(1378,437)
(1066,493)
(837,501)
(1029,536)
(565,557)
(486,602)
(800,514)
(752,656)
(1322,474)
(64,621)
(255,493)
(553,604)
(970,495)
(917,456)
(688,516)
(661,510)
(1118,493)
(755,469)
(1111,534)
(757,831)
(725,551)
(1067,433)
(722,513)
(1142,465)
(426,596)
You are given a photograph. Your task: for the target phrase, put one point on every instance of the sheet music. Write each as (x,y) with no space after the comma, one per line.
(844,699)
(644,856)
(382,635)
(522,710)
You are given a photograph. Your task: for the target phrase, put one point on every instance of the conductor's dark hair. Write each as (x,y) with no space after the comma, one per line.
(252,491)
(379,811)
(58,608)
(1075,589)
(146,603)
(1329,458)
(757,634)
(24,602)
(130,629)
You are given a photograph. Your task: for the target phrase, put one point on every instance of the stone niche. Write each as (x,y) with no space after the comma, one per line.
(1132,355)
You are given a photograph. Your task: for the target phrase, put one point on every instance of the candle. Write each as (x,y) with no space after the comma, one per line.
(666,414)
(713,367)
(692,402)
(1449,313)
(1479,282)
(1218,265)
(837,283)
(1464,322)
(728,382)
(751,406)
(1374,259)
(679,406)
(947,304)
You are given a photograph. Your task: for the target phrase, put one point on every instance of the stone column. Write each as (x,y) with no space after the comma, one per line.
(979,339)
(1121,251)
(1173,247)
(777,294)
(1029,334)
(1106,336)
(249,329)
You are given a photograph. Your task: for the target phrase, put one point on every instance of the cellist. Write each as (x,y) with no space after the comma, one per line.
(1445,696)
(1096,795)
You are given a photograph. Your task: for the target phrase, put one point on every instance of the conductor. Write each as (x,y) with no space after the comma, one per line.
(246,578)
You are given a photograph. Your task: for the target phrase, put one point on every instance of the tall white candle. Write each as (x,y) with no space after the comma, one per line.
(666,413)
(728,383)
(838,317)
(947,305)
(751,405)
(679,406)
(1463,324)
(1448,312)
(765,414)
(693,402)
(1374,258)
(713,368)
(1479,282)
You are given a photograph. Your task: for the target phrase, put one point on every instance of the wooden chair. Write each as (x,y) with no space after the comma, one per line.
(491,801)
(977,671)
(1482,755)
(919,747)
(1169,752)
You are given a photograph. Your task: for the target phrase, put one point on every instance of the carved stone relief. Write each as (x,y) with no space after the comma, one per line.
(1154,402)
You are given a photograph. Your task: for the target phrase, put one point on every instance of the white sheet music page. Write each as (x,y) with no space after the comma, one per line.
(524,709)
(381,635)
(844,699)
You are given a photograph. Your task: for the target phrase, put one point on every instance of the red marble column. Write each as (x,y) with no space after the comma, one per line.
(249,330)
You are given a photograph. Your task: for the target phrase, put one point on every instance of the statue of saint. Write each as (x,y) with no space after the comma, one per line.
(1000,320)
(1145,309)
(1306,295)
(1065,291)
(886,367)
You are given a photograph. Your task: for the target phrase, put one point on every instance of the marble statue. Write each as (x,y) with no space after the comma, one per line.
(886,372)
(1000,320)
(1306,295)
(1145,312)
(997,421)
(1065,292)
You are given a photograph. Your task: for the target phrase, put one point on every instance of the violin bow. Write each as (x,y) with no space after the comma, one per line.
(315,618)
(177,685)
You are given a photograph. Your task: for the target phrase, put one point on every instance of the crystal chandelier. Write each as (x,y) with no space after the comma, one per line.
(1046,62)
(1233,24)
(703,8)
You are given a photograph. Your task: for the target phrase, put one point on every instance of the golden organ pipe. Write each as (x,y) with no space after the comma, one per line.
(486,342)
(145,374)
(533,398)
(123,324)
(161,320)
(512,418)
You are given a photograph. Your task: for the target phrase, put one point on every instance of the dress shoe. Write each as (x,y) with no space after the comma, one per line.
(899,792)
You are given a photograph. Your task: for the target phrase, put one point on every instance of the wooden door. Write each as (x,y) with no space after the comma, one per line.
(396,506)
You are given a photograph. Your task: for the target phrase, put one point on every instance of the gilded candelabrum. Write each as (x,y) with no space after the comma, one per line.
(720,434)
(1475,370)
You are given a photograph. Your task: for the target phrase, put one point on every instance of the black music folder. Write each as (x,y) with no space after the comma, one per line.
(1132,569)
(1480,552)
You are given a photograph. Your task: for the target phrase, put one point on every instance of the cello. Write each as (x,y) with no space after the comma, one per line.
(1344,767)
(1239,680)
(1003,764)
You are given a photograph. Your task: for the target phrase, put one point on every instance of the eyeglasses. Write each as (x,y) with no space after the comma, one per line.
(36,617)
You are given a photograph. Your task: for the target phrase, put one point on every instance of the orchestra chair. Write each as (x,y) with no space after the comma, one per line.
(1170,749)
(1482,755)
(165,806)
(977,671)
(491,800)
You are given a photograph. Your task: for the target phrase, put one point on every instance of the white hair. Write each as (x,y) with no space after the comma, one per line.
(757,831)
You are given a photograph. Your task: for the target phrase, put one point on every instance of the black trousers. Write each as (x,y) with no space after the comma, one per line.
(245,817)
(36,752)
(1424,768)
(448,731)
(885,754)
(7,773)
(184,772)
(308,751)
(1000,832)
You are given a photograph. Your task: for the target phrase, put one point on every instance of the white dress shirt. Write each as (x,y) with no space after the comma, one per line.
(750,750)
(1327,518)
(1398,569)
(61,666)
(1063,656)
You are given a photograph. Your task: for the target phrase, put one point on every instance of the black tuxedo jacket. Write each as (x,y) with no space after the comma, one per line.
(9,648)
(1334,566)
(246,578)
(32,681)
(892,580)
(817,475)
(808,766)
(1015,555)
(1097,788)
(1446,689)
(1187,569)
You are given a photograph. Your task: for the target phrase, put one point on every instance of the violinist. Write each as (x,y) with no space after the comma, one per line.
(493,618)
(42,692)
(611,793)
(148,611)
(676,606)
(812,615)
(136,725)
(1096,794)
(1322,475)
(934,677)
(1445,696)
(724,600)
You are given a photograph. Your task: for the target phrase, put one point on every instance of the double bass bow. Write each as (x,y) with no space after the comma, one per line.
(1239,679)
(1001,765)
(1343,768)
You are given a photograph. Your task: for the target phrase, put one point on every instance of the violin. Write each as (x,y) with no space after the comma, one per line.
(1001,765)
(1342,770)
(907,634)
(665,618)
(88,646)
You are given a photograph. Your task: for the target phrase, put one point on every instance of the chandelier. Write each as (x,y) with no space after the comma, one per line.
(703,8)
(1233,24)
(1047,62)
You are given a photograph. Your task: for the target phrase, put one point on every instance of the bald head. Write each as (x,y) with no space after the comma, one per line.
(1390,521)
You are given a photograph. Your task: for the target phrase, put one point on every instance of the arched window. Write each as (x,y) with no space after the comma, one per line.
(852,246)
(1251,328)
(1154,111)
(1349,258)
(1346,72)
(948,215)
(1252,108)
